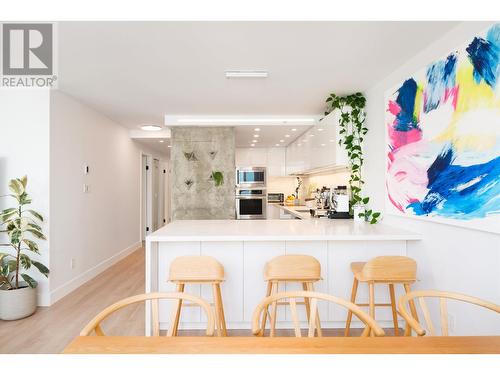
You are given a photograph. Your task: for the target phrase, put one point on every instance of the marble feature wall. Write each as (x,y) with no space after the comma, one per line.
(196,153)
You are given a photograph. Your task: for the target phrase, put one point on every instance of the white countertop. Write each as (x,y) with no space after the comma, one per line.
(278,230)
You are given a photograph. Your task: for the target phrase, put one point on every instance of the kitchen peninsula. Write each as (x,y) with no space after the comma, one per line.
(244,246)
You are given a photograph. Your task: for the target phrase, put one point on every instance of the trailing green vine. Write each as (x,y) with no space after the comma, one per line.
(352,130)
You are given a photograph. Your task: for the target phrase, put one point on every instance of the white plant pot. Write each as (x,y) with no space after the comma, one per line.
(358,209)
(17,303)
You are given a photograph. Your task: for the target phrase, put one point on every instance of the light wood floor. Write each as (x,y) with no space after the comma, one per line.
(51,329)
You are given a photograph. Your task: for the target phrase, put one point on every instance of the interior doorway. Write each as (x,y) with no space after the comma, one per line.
(154,180)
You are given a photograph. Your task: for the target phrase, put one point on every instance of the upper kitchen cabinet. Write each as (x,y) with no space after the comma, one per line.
(273,158)
(317,149)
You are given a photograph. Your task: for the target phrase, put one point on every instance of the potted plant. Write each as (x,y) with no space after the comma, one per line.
(17,288)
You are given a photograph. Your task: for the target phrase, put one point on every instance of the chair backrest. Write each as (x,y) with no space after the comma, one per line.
(292,267)
(421,295)
(390,268)
(95,324)
(196,268)
(313,297)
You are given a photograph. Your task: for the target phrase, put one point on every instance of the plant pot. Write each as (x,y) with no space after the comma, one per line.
(17,303)
(358,209)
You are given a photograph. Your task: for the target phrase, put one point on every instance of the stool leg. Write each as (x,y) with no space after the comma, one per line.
(412,309)
(394,311)
(264,313)
(310,287)
(353,300)
(306,302)
(221,307)
(274,310)
(176,312)
(371,287)
(217,310)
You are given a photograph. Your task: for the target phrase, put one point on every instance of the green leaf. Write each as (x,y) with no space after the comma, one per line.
(365,200)
(15,236)
(376,214)
(36,233)
(35,226)
(35,214)
(29,280)
(16,186)
(43,270)
(373,221)
(12,265)
(24,180)
(25,261)
(2,256)
(32,245)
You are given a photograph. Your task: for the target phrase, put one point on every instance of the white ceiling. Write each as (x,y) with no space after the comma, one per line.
(268,136)
(137,72)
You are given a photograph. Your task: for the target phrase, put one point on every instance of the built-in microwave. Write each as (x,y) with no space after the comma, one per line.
(251,203)
(250,176)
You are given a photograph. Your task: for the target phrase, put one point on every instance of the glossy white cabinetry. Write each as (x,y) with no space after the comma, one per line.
(317,148)
(273,158)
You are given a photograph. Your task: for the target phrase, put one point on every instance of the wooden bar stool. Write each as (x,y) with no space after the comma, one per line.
(198,269)
(303,269)
(383,270)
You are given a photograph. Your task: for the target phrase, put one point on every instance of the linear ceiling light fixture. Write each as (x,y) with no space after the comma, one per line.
(151,128)
(246,73)
(245,120)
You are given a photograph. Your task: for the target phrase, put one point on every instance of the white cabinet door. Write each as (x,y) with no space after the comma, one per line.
(256,255)
(273,212)
(251,157)
(167,252)
(276,161)
(230,255)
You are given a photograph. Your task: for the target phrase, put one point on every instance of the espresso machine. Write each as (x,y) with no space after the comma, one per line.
(339,203)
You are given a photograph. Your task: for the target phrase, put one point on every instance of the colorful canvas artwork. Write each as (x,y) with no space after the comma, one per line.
(443,136)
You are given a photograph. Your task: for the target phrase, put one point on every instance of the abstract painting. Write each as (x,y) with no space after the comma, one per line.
(443,138)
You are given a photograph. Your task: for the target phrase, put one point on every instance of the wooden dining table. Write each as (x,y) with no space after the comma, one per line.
(283,345)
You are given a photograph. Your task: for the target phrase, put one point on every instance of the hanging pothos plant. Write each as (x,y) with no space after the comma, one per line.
(352,131)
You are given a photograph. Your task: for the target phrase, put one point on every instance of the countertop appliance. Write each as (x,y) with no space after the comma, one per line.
(251,203)
(250,176)
(340,204)
(275,197)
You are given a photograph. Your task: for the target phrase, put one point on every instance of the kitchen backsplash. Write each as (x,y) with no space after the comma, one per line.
(287,185)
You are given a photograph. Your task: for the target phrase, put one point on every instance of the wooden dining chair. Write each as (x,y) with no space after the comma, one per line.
(313,297)
(95,324)
(420,296)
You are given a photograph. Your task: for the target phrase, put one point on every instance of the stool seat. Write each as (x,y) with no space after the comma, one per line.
(196,268)
(357,268)
(293,267)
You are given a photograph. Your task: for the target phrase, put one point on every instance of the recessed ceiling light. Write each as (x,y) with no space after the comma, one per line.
(320,129)
(151,128)
(300,144)
(311,135)
(277,145)
(256,136)
(254,141)
(323,144)
(253,145)
(169,146)
(332,140)
(287,135)
(257,129)
(246,73)
(281,140)
(161,141)
(294,130)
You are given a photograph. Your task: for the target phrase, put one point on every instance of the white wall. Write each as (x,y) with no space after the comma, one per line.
(97,228)
(449,257)
(24,150)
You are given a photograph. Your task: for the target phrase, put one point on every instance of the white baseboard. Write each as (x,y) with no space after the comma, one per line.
(68,287)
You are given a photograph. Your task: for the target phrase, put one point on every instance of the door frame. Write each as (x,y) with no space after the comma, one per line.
(146,194)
